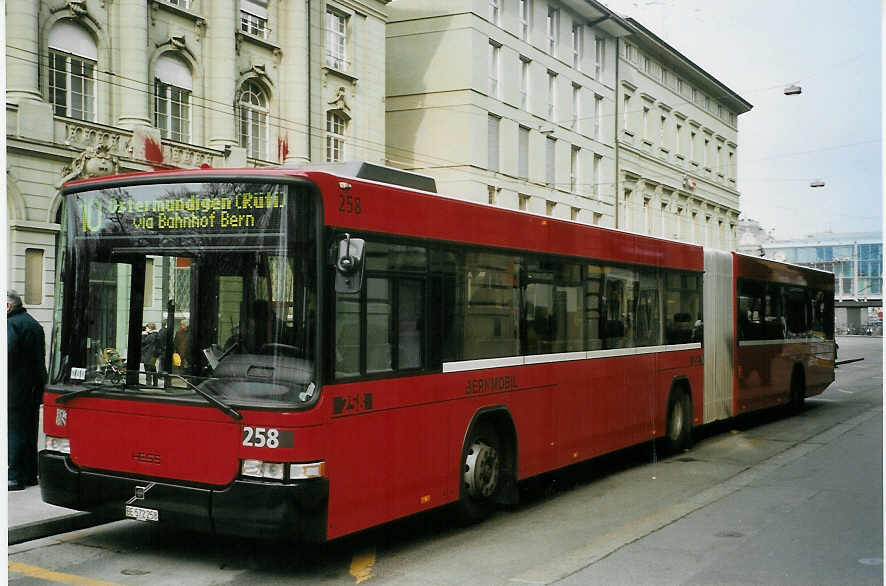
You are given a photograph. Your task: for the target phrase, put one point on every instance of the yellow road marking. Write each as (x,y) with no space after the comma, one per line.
(44,574)
(361,565)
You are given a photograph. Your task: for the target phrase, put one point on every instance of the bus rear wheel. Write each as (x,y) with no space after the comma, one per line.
(481,473)
(679,430)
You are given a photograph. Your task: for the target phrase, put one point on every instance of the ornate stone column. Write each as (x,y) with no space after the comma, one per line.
(135,85)
(298,42)
(21,52)
(220,62)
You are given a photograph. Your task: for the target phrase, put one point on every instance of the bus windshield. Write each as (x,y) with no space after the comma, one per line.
(173,286)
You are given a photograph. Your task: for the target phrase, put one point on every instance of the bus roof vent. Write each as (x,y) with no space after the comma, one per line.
(373,172)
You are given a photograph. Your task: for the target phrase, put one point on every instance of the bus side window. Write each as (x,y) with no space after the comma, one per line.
(593,301)
(618,325)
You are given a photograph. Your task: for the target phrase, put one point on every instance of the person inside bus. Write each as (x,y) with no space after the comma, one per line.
(263,327)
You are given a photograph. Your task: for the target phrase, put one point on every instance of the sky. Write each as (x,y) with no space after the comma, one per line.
(832,131)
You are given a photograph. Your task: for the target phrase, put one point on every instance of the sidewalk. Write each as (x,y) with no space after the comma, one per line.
(28,517)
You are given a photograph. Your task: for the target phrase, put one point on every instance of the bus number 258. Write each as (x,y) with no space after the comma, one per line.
(260,437)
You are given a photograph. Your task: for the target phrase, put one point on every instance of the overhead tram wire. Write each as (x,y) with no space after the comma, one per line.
(423,159)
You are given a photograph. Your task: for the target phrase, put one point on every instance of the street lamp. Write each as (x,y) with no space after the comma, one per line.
(792,90)
(817,183)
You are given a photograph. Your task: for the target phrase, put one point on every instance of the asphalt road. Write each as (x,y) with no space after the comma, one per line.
(766,499)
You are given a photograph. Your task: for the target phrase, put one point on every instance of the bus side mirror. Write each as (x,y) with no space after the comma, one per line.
(349,265)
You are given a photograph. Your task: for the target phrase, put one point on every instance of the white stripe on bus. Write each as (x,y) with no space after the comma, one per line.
(485,363)
(781,342)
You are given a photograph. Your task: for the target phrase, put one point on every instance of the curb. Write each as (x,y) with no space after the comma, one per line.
(55,526)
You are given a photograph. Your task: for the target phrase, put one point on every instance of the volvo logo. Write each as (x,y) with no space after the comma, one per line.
(146,457)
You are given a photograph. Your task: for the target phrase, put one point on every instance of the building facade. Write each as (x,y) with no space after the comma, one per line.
(563,108)
(507,103)
(677,145)
(95,87)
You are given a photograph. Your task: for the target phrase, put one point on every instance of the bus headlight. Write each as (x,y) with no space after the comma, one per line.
(307,470)
(58,444)
(277,470)
(259,469)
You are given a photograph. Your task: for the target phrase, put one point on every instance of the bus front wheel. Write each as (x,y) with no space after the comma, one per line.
(481,473)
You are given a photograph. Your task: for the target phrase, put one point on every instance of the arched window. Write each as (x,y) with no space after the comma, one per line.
(336,126)
(72,59)
(172,98)
(252,113)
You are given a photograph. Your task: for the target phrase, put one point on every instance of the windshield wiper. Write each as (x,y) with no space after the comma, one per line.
(227,409)
(74,394)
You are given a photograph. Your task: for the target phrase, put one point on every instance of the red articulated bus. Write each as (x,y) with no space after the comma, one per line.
(310,352)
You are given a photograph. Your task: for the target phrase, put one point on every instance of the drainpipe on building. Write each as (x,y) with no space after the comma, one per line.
(310,75)
(615,126)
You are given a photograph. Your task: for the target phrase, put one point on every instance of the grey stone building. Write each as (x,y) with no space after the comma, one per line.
(97,86)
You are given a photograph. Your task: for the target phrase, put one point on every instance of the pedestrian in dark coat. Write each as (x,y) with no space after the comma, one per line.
(26,372)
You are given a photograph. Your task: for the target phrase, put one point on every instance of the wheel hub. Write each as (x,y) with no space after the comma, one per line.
(481,470)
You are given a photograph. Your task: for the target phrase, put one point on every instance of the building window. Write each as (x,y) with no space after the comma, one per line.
(523,202)
(525,64)
(172,98)
(72,65)
(491,194)
(495,12)
(678,139)
(576,107)
(493,142)
(598,116)
(575,169)
(693,154)
(646,123)
(336,126)
(599,58)
(550,207)
(186,4)
(552,96)
(661,131)
(626,113)
(553,29)
(597,170)
(494,65)
(577,46)
(254,18)
(252,112)
(33,276)
(336,40)
(550,161)
(523,153)
(525,19)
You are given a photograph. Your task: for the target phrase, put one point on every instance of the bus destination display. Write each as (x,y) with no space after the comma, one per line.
(199,209)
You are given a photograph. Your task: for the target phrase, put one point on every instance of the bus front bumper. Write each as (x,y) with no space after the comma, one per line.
(246,508)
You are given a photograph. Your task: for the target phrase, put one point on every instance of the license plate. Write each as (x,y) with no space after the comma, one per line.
(141,514)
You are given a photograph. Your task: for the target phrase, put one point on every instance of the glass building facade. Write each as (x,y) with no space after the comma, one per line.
(855,259)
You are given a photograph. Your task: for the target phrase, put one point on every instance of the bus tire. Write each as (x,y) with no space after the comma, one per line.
(678,434)
(481,473)
(798,391)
